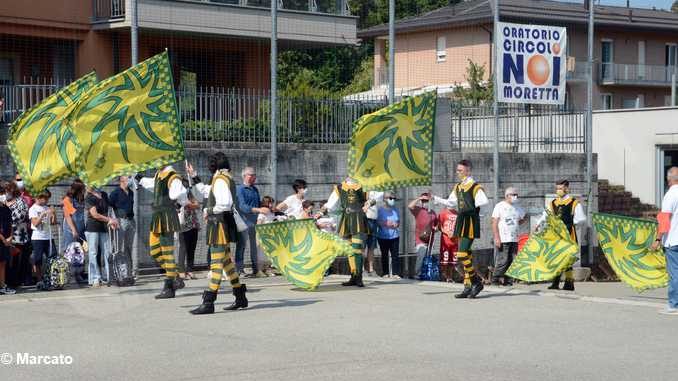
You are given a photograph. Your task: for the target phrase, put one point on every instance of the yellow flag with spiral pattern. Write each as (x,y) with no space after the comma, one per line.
(300,251)
(626,242)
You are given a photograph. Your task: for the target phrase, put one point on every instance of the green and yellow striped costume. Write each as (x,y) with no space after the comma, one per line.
(221,231)
(467,227)
(164,222)
(565,210)
(353,221)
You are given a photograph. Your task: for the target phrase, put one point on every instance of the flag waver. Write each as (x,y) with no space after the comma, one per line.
(393,147)
(128,123)
(42,144)
(299,250)
(546,254)
(626,242)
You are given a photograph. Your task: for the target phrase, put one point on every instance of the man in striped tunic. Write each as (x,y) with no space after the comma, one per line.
(467,197)
(168,190)
(221,231)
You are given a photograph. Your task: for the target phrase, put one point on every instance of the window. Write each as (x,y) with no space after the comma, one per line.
(636,102)
(670,59)
(607,59)
(6,71)
(641,59)
(441,48)
(606,100)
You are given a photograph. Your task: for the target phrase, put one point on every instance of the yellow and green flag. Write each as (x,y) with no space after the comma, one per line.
(626,243)
(300,251)
(546,254)
(42,144)
(393,147)
(128,123)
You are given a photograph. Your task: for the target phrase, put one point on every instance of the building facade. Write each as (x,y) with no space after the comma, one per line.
(223,42)
(634,52)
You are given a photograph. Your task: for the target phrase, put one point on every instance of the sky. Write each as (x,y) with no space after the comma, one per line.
(660,4)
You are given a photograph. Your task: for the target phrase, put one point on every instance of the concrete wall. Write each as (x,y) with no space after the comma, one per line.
(324,166)
(626,143)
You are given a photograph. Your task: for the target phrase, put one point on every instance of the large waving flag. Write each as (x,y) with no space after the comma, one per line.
(546,253)
(393,147)
(299,250)
(43,146)
(626,243)
(128,123)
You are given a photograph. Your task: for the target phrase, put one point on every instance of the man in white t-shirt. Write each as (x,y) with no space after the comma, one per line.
(506,217)
(667,233)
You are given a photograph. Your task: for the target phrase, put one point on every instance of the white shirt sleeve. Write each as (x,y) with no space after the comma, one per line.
(222,196)
(177,192)
(541,219)
(332,202)
(201,191)
(450,202)
(579,215)
(481,199)
(147,183)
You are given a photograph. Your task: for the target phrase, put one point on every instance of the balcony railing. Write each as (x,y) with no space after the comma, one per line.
(108,9)
(115,9)
(576,69)
(634,74)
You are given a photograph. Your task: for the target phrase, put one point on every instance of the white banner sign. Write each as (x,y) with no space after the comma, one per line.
(531,63)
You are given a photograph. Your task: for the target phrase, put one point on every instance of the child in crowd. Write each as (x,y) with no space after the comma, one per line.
(42,216)
(266,218)
(448,244)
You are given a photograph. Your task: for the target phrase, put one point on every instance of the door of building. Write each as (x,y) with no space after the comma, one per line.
(667,157)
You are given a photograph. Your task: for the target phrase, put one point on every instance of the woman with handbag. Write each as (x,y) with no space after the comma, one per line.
(221,231)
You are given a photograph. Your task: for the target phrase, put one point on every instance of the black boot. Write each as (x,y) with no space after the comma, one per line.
(568,285)
(351,282)
(179,283)
(359,279)
(464,294)
(167,290)
(555,285)
(207,306)
(240,299)
(476,287)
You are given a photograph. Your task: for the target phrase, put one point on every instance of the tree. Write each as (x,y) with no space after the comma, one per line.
(674,7)
(479,89)
(344,70)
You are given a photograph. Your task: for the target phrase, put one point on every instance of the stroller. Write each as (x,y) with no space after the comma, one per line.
(56,270)
(430,268)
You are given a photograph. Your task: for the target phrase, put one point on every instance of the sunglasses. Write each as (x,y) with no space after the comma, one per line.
(513,194)
(390,198)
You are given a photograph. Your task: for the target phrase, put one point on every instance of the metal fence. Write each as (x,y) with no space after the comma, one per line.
(18,98)
(218,114)
(241,115)
(521,129)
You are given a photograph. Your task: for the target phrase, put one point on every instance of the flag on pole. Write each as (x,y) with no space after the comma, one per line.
(393,147)
(128,123)
(42,145)
(300,251)
(626,241)
(546,254)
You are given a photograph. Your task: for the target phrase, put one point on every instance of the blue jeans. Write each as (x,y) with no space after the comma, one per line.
(672,267)
(251,236)
(95,241)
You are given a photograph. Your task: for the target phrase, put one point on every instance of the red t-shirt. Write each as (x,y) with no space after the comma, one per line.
(446,221)
(425,219)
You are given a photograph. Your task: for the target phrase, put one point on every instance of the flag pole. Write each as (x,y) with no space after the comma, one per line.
(134,41)
(589,135)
